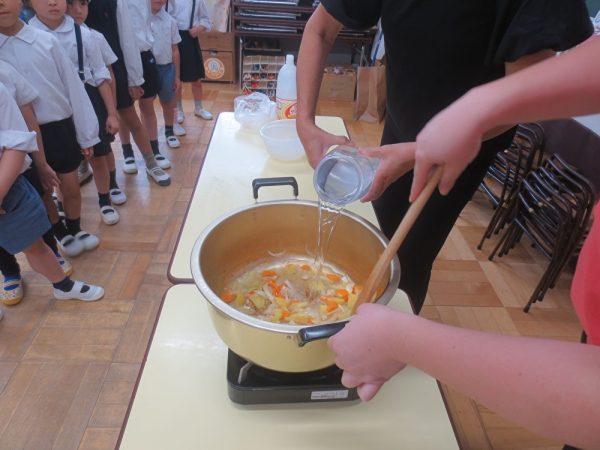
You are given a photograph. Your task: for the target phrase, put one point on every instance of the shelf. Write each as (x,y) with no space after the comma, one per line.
(281,8)
(298,35)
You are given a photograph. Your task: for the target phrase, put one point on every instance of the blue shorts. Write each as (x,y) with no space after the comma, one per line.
(25,220)
(167,75)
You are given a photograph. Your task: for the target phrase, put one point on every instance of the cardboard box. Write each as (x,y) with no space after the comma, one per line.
(218,66)
(338,86)
(216,41)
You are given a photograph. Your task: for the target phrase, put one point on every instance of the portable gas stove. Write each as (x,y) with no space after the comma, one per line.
(249,384)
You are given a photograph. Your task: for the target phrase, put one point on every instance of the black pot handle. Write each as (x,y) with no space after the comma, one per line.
(319,332)
(279,181)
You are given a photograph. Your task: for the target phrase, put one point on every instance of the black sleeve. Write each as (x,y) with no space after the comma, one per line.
(354,14)
(525,27)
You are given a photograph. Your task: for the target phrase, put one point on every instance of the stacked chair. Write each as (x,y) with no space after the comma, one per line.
(550,201)
(507,171)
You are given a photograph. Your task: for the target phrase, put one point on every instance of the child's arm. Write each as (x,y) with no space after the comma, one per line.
(129,45)
(47,176)
(86,122)
(176,60)
(204,20)
(113,85)
(112,123)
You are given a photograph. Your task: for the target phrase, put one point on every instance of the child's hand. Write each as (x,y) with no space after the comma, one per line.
(87,152)
(196,31)
(112,125)
(176,84)
(136,92)
(48,177)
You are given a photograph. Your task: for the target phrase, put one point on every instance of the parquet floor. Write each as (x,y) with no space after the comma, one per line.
(67,369)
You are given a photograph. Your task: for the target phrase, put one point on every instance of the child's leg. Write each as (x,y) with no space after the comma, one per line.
(42,260)
(149,120)
(198,108)
(117,195)
(149,117)
(69,185)
(169,109)
(102,180)
(11,291)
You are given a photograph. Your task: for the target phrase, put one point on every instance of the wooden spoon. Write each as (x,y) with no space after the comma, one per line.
(368,291)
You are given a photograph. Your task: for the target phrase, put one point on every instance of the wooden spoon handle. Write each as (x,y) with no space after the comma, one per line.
(370,287)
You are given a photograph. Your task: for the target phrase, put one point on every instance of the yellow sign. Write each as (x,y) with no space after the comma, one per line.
(214,68)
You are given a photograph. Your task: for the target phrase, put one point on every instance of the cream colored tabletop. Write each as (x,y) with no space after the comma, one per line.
(181,402)
(234,158)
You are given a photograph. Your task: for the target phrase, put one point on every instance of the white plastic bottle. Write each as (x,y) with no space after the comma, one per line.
(287,98)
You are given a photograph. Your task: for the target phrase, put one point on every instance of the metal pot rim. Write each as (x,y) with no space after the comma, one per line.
(239,316)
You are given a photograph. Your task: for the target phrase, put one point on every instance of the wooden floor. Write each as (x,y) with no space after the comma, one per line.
(68,368)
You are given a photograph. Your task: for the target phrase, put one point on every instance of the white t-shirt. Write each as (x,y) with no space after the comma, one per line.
(108,56)
(18,87)
(181,10)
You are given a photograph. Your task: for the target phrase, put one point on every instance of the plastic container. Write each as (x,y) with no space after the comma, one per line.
(253,111)
(282,141)
(286,96)
(344,175)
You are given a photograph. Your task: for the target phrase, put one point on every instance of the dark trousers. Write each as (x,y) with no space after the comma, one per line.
(8,263)
(427,236)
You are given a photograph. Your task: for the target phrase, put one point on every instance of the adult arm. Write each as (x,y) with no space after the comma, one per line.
(565,86)
(551,387)
(318,37)
(47,176)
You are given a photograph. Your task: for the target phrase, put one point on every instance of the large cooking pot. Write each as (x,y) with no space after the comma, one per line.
(244,237)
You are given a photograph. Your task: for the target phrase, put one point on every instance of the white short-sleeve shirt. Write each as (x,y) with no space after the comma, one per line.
(166,33)
(139,11)
(181,10)
(18,87)
(41,60)
(108,56)
(14,133)
(94,70)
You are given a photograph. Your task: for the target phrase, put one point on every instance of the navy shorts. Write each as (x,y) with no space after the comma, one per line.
(152,84)
(63,152)
(167,76)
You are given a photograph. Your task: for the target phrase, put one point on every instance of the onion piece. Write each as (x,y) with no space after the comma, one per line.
(266,291)
(276,255)
(305,277)
(350,287)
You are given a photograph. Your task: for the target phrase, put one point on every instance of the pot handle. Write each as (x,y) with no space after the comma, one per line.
(278,181)
(317,332)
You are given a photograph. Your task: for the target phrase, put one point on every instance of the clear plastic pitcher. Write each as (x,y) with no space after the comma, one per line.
(344,175)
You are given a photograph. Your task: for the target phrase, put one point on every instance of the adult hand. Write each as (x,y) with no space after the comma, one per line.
(396,160)
(316,142)
(48,177)
(196,31)
(176,84)
(87,151)
(136,92)
(363,349)
(451,139)
(112,125)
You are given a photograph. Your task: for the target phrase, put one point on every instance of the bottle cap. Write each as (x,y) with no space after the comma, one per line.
(289,59)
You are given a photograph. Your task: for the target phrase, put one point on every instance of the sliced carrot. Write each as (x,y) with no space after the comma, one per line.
(268,274)
(306,267)
(343,293)
(332,306)
(333,277)
(325,298)
(310,320)
(294,300)
(228,297)
(356,289)
(285,313)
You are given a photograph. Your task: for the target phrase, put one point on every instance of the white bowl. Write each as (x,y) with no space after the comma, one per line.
(282,141)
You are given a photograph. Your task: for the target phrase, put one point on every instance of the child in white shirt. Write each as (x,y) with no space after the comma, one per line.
(111,18)
(96,78)
(40,176)
(140,16)
(192,20)
(166,52)
(23,218)
(67,121)
(78,10)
